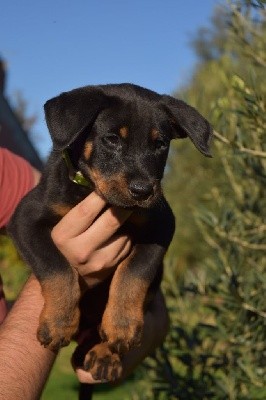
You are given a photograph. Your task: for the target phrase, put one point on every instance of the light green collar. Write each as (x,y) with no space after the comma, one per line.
(75,176)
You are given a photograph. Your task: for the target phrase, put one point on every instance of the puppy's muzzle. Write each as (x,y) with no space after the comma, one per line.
(140,190)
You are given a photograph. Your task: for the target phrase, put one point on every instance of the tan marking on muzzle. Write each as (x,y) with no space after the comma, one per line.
(113,182)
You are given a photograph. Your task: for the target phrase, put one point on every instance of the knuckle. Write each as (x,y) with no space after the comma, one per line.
(99,264)
(60,239)
(83,209)
(128,245)
(111,222)
(57,237)
(126,249)
(80,258)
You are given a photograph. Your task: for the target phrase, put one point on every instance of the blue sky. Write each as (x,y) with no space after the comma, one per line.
(56,45)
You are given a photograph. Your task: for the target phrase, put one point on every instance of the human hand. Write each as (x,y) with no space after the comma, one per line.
(87,237)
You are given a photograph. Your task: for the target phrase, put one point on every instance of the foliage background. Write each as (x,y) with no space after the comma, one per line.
(216,345)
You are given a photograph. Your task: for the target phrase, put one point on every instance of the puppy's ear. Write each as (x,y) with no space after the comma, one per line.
(68,114)
(187,121)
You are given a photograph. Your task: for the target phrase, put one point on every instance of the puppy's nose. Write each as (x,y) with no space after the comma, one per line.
(140,190)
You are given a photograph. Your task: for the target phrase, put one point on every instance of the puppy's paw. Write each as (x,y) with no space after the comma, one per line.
(56,331)
(122,333)
(103,364)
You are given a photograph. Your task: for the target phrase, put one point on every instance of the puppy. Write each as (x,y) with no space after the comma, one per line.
(113,139)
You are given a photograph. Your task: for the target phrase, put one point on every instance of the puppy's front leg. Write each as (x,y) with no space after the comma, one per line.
(59,318)
(123,319)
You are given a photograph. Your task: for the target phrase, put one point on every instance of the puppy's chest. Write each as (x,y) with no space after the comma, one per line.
(138,226)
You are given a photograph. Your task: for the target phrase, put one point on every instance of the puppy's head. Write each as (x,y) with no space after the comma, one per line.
(120,136)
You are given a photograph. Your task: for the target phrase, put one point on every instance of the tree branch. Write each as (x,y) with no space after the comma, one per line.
(242,149)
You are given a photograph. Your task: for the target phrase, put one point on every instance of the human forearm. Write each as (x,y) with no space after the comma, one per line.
(24,363)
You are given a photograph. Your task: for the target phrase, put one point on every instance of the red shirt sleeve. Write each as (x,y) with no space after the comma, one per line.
(16,179)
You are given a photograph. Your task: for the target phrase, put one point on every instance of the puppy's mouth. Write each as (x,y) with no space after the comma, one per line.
(125,199)
(116,191)
(119,199)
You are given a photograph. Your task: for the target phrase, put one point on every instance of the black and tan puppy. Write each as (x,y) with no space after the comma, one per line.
(117,137)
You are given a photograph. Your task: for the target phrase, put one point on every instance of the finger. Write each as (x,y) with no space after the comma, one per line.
(115,250)
(85,377)
(105,259)
(103,228)
(79,218)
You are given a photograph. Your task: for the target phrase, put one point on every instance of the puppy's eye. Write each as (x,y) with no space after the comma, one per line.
(111,139)
(160,144)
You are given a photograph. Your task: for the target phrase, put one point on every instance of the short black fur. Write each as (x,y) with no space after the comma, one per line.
(118,136)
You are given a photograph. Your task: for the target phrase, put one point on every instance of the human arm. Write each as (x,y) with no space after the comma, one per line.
(21,355)
(24,363)
(103,249)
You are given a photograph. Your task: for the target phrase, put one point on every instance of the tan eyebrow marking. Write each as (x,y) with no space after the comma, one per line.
(155,134)
(87,150)
(123,132)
